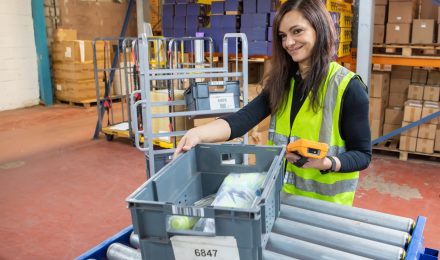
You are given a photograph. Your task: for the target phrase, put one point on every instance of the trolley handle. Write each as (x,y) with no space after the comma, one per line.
(134,120)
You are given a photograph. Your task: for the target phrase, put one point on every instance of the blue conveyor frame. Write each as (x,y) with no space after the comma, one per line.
(415,250)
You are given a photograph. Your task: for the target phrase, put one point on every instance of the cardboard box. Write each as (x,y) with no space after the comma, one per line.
(438,39)
(161,125)
(437,140)
(427,131)
(377,109)
(381,2)
(74,71)
(423,32)
(76,51)
(398,33)
(394,115)
(408,143)
(415,92)
(419,76)
(433,77)
(397,99)
(425,146)
(376,127)
(413,110)
(431,107)
(401,72)
(65,35)
(380,85)
(399,85)
(438,15)
(401,12)
(76,91)
(257,137)
(388,128)
(379,34)
(380,14)
(428,10)
(412,132)
(382,67)
(431,93)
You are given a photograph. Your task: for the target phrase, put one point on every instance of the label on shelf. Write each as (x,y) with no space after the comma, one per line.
(221,101)
(200,247)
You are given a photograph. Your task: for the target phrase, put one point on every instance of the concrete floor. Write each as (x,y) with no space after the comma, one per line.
(62,193)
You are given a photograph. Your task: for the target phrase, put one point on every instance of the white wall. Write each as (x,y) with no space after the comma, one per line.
(18,58)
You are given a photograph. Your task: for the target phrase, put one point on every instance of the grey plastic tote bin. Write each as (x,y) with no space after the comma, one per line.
(203,95)
(196,174)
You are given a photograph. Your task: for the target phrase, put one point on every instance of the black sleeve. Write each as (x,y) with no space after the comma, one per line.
(249,116)
(355,129)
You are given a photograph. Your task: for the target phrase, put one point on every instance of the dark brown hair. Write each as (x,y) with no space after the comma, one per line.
(283,68)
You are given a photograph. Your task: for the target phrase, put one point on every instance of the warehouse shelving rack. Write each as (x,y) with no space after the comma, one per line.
(178,68)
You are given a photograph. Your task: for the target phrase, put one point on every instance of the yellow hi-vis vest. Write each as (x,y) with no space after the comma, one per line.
(322,126)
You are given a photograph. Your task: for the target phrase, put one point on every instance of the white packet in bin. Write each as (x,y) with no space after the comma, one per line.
(238,190)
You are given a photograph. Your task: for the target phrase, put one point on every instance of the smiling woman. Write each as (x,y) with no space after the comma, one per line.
(308,97)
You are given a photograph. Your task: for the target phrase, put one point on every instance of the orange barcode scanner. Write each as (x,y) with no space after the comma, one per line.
(307,149)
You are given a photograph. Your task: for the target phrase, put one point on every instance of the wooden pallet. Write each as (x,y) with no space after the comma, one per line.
(392,147)
(87,103)
(83,103)
(407,50)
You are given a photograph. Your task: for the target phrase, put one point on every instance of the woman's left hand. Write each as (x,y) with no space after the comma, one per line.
(320,164)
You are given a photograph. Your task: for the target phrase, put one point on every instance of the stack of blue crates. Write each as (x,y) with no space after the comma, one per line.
(183,18)
(225,18)
(256,23)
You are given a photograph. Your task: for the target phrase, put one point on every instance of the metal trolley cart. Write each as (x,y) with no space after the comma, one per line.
(119,75)
(189,74)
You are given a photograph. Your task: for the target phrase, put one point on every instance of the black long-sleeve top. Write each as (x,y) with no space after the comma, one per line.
(354,126)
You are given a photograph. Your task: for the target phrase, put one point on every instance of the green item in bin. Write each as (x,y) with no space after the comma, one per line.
(182,222)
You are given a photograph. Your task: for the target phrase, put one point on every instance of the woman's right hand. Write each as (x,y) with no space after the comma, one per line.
(188,141)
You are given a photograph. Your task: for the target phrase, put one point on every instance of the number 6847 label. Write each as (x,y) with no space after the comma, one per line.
(199,247)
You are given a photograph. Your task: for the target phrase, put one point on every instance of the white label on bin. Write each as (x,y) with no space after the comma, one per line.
(221,101)
(200,247)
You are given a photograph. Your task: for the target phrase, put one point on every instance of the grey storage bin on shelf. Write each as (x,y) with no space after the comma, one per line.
(160,161)
(199,173)
(214,95)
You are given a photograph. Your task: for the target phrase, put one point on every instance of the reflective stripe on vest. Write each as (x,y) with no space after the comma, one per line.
(322,126)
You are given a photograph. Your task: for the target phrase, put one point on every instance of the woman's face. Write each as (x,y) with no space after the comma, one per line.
(298,37)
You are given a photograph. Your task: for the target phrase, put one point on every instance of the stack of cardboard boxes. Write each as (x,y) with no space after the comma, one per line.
(408,95)
(407,22)
(73,69)
(422,101)
(380,16)
(400,16)
(379,95)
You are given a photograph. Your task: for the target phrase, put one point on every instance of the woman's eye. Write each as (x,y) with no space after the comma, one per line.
(282,36)
(296,31)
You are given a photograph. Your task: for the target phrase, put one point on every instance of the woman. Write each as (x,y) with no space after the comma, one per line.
(308,97)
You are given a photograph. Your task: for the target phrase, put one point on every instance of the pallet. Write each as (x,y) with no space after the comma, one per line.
(87,103)
(407,50)
(392,147)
